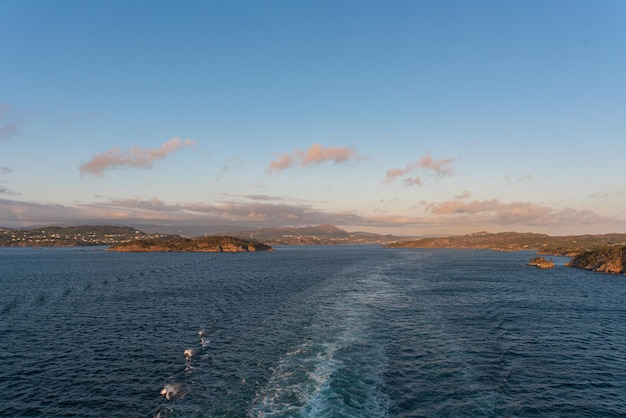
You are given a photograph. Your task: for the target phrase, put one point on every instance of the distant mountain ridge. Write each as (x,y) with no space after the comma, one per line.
(83,235)
(320,234)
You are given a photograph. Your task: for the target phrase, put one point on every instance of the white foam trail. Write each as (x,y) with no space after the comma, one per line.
(312,379)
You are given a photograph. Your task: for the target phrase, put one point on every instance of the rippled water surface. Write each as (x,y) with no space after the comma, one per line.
(349,331)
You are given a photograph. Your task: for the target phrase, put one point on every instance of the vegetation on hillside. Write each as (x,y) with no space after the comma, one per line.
(218,243)
(606,259)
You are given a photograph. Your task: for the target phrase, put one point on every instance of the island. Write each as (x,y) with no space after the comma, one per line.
(541,263)
(605,259)
(211,244)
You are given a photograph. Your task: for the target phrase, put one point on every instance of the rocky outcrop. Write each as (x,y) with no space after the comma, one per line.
(541,263)
(609,259)
(212,244)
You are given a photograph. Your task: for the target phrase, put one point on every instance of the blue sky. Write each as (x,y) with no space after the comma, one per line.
(404,117)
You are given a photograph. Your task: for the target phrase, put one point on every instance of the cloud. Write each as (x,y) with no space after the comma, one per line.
(316,154)
(243,214)
(6,170)
(434,218)
(515,213)
(464,195)
(4,190)
(394,173)
(441,168)
(136,157)
(7,130)
(412,181)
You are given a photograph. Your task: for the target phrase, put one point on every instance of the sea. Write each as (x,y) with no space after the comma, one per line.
(308,331)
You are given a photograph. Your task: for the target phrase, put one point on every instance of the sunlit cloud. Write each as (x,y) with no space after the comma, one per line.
(394,173)
(7,129)
(441,168)
(516,213)
(316,154)
(135,157)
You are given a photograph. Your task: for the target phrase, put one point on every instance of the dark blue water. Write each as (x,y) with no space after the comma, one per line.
(351,331)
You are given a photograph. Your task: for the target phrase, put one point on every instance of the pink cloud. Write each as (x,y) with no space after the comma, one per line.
(441,168)
(316,154)
(281,163)
(394,173)
(515,213)
(136,157)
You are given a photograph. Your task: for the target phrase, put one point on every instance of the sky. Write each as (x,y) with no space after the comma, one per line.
(405,117)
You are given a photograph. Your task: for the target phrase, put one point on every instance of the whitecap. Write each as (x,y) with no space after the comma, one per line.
(176,390)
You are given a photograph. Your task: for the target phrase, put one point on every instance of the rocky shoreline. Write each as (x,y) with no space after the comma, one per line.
(541,263)
(608,259)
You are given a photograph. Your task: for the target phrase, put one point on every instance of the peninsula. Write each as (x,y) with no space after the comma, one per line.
(211,244)
(607,259)
(602,253)
(569,246)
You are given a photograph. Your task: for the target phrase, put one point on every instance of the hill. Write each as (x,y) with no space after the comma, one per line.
(515,241)
(212,244)
(56,236)
(607,259)
(320,235)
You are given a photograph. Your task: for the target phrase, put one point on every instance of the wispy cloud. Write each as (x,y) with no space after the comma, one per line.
(464,195)
(6,170)
(412,181)
(4,190)
(316,154)
(7,129)
(135,157)
(441,168)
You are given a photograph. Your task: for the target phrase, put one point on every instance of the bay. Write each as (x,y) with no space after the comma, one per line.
(344,331)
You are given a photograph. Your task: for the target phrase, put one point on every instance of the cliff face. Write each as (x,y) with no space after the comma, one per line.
(604,259)
(214,244)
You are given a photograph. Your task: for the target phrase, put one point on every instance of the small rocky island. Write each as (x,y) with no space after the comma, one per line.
(212,244)
(606,259)
(541,263)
